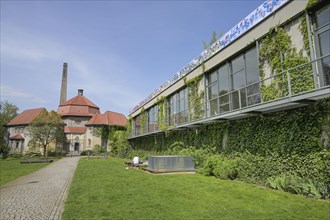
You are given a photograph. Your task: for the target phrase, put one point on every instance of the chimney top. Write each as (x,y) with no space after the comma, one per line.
(80,92)
(65,64)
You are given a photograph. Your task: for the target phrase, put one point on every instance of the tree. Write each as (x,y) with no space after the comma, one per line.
(106,133)
(47,127)
(8,111)
(120,145)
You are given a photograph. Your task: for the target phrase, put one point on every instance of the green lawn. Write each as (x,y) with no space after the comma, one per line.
(12,169)
(104,189)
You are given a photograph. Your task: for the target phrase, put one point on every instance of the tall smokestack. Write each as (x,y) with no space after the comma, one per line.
(64,84)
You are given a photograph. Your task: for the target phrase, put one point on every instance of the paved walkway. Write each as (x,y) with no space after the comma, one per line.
(39,195)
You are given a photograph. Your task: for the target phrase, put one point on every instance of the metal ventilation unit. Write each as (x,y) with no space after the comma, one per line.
(168,164)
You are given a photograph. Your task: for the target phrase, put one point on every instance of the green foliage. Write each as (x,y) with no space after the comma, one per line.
(303,25)
(98,149)
(106,133)
(214,38)
(11,169)
(8,111)
(119,145)
(86,152)
(277,52)
(46,128)
(162,113)
(143,121)
(298,185)
(129,126)
(255,149)
(119,193)
(195,98)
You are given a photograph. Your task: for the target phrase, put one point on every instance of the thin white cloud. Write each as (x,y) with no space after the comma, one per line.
(105,77)
(16,94)
(19,45)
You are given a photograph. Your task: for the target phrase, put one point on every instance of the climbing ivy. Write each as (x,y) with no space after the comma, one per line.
(195,98)
(162,113)
(129,126)
(278,53)
(298,131)
(143,121)
(303,25)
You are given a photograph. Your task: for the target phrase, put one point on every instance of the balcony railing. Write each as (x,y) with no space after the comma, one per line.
(307,78)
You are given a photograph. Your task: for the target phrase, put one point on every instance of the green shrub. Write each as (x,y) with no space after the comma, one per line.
(86,152)
(210,165)
(98,149)
(227,169)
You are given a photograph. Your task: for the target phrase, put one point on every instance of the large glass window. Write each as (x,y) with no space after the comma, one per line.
(137,125)
(153,119)
(224,88)
(178,107)
(244,75)
(323,16)
(218,88)
(213,93)
(172,110)
(322,36)
(235,84)
(252,76)
(238,81)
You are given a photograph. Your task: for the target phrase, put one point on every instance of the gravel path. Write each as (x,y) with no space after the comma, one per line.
(39,195)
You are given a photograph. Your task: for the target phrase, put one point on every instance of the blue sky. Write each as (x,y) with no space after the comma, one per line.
(117,51)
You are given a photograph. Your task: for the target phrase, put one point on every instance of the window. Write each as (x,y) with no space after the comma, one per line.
(235,84)
(322,36)
(238,81)
(224,100)
(213,91)
(172,110)
(245,73)
(153,119)
(137,123)
(178,107)
(252,76)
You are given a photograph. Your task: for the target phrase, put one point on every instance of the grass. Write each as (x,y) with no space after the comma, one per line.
(13,169)
(104,189)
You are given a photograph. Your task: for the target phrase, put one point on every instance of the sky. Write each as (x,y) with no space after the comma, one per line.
(119,52)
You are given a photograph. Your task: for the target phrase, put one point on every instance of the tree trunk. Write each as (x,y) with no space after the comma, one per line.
(46,153)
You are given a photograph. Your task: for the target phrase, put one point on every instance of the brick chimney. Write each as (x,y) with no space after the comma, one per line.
(64,84)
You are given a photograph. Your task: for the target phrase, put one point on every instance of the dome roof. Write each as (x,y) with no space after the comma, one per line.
(78,106)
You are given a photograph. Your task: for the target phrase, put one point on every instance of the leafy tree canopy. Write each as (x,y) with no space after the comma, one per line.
(46,128)
(8,111)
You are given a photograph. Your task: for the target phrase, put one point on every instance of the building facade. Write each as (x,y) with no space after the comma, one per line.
(81,118)
(17,136)
(276,58)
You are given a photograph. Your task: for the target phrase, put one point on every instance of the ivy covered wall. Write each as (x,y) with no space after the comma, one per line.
(301,131)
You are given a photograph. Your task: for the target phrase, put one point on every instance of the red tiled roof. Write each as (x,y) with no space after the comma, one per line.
(115,118)
(97,119)
(17,137)
(77,110)
(78,106)
(26,117)
(75,130)
(80,100)
(108,118)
